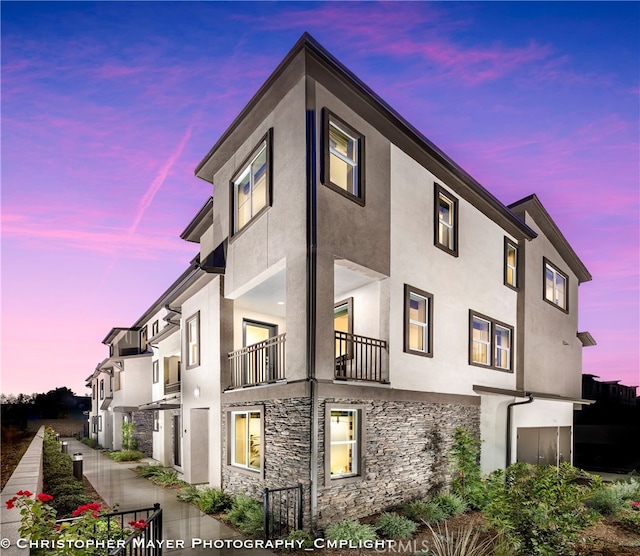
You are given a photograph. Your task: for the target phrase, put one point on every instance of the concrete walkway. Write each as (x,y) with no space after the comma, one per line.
(118,485)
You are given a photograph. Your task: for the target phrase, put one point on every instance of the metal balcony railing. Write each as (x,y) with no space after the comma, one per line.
(259,363)
(360,358)
(172,388)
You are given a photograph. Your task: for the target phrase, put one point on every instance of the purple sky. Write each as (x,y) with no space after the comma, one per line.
(108,107)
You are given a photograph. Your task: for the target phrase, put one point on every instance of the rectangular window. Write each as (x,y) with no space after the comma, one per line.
(344,443)
(156,371)
(556,286)
(251,186)
(102,388)
(193,341)
(143,339)
(490,343)
(418,318)
(99,422)
(343,168)
(510,264)
(246,439)
(93,391)
(446,221)
(156,420)
(155,328)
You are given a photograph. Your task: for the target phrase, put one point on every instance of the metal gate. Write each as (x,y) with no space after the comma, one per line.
(282,511)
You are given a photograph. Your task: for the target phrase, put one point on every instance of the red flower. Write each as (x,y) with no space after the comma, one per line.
(140,524)
(92,507)
(24,493)
(45,497)
(635,505)
(11,503)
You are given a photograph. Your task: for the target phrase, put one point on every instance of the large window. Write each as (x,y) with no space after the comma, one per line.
(343,168)
(556,286)
(246,439)
(490,343)
(510,264)
(251,186)
(193,341)
(345,441)
(418,317)
(446,221)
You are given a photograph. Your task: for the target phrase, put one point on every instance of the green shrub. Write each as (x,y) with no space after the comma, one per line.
(299,536)
(91,443)
(126,455)
(467,479)
(189,493)
(421,511)
(128,440)
(395,526)
(605,501)
(630,519)
(149,470)
(350,530)
(451,504)
(65,504)
(67,485)
(627,489)
(212,500)
(246,514)
(539,509)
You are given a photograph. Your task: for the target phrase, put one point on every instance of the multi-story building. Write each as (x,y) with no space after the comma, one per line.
(357,297)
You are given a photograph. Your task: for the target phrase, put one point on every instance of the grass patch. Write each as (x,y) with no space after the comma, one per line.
(126,455)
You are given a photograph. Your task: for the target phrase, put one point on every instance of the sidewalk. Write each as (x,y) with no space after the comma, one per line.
(118,485)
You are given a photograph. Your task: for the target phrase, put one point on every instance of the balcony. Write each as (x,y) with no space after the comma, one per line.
(259,363)
(171,388)
(360,358)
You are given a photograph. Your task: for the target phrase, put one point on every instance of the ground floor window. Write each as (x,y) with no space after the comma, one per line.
(246,439)
(344,441)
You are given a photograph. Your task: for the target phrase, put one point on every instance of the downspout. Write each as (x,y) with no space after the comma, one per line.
(312,264)
(530,400)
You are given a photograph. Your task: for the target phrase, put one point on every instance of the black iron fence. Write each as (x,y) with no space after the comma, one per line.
(360,358)
(282,511)
(258,363)
(127,533)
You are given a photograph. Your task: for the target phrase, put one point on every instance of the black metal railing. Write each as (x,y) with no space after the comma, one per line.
(258,363)
(359,357)
(172,388)
(114,533)
(282,510)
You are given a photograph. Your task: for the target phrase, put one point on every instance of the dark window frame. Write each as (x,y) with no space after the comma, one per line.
(327,117)
(510,243)
(361,443)
(233,198)
(155,327)
(230,412)
(440,191)
(408,290)
(492,342)
(546,262)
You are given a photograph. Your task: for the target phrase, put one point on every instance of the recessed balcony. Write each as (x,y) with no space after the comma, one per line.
(259,363)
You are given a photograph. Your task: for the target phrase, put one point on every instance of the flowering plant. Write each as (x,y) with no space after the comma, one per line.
(84,535)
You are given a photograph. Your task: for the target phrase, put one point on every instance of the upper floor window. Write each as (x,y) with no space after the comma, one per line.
(343,168)
(490,343)
(510,264)
(155,328)
(102,388)
(446,221)
(246,439)
(143,339)
(556,286)
(156,371)
(93,391)
(251,186)
(418,317)
(193,340)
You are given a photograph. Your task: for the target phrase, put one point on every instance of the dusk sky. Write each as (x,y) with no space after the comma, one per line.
(108,107)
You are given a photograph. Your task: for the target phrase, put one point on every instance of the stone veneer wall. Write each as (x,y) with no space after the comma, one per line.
(407,444)
(406,454)
(286,451)
(143,433)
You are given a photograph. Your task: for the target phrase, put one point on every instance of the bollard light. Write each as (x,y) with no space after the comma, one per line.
(57,437)
(65,447)
(77,465)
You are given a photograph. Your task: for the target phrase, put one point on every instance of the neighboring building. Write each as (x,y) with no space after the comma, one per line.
(357,297)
